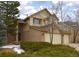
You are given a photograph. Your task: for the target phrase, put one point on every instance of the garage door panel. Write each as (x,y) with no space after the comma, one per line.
(66,39)
(47,37)
(56,38)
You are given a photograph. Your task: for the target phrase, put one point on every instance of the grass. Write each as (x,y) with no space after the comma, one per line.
(44,49)
(41,49)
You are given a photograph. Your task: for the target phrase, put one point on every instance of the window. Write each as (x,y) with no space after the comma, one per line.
(36,21)
(46,21)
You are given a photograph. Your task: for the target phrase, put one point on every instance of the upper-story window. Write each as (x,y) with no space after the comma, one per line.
(45,21)
(36,21)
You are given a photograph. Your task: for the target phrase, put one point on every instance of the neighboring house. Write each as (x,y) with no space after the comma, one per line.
(75,27)
(36,28)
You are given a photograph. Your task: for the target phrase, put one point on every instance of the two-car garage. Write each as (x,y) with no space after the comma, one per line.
(57,38)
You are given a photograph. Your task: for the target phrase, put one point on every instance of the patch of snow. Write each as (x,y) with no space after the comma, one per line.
(15,48)
(18,50)
(11,46)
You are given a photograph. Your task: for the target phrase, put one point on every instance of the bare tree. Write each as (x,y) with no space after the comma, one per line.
(76,26)
(58,9)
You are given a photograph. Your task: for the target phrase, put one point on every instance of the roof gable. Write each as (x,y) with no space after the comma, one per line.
(39,13)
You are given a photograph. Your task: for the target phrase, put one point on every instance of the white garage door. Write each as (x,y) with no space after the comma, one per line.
(56,38)
(66,39)
(47,37)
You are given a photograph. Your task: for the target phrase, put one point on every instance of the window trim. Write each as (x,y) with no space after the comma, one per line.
(34,18)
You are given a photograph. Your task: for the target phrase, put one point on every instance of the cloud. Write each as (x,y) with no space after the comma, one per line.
(25,2)
(30,10)
(41,7)
(26,8)
(55,1)
(69,4)
(22,16)
(75,9)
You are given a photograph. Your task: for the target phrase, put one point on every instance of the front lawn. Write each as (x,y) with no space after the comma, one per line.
(41,49)
(44,49)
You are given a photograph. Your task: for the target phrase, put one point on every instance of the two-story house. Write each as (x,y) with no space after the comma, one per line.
(40,26)
(37,27)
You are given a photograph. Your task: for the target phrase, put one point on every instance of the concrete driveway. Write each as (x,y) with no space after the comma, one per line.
(74,45)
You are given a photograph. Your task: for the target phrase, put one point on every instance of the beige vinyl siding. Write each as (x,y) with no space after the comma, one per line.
(31,21)
(42,15)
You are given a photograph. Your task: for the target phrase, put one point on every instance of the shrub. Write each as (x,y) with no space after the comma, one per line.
(34,45)
(7,53)
(2,42)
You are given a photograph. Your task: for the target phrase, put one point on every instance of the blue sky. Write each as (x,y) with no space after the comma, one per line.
(30,7)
